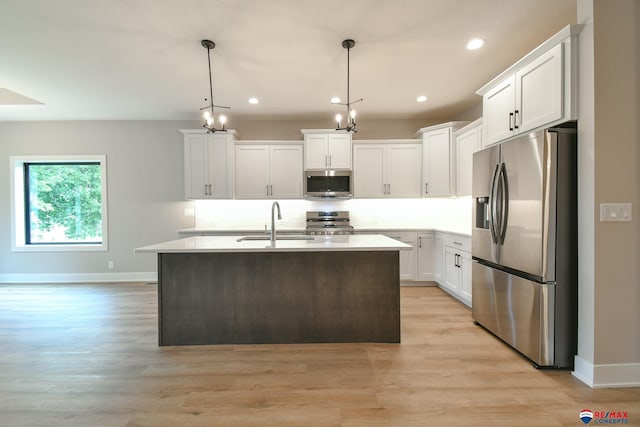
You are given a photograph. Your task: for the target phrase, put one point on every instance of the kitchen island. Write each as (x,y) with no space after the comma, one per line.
(230,290)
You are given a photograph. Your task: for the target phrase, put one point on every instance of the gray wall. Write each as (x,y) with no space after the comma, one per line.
(145,190)
(609,164)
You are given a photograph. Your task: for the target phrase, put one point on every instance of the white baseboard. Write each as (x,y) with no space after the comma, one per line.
(607,376)
(151,276)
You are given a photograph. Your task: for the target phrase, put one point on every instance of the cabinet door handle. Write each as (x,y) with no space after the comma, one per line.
(271,189)
(510,121)
(267,189)
(389,188)
(426,188)
(457,243)
(205,190)
(515,119)
(419,241)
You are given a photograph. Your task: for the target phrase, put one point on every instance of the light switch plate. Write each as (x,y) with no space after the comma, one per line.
(615,212)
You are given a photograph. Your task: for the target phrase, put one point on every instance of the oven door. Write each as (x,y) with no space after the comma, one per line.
(327,184)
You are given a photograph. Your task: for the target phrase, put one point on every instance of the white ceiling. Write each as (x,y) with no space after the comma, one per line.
(142,59)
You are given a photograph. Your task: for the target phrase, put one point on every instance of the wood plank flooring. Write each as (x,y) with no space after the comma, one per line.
(87,355)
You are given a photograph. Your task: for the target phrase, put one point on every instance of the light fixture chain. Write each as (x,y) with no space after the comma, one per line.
(210,83)
(348,73)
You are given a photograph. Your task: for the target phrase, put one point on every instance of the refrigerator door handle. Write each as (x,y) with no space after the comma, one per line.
(504,199)
(493,206)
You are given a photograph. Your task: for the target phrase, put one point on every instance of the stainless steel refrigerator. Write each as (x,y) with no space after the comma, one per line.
(524,244)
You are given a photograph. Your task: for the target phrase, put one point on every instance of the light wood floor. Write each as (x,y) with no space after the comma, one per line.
(87,355)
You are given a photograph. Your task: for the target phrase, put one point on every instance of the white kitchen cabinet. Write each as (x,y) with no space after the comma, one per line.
(327,150)
(498,107)
(407,257)
(426,257)
(266,171)
(369,166)
(390,169)
(468,141)
(456,273)
(539,90)
(208,160)
(438,159)
(438,257)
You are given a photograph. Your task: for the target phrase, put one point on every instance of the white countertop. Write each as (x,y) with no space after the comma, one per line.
(358,242)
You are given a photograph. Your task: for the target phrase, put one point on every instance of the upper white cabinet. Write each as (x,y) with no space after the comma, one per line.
(268,171)
(438,159)
(390,168)
(539,90)
(324,149)
(468,141)
(208,160)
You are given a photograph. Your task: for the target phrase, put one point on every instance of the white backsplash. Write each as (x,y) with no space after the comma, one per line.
(452,214)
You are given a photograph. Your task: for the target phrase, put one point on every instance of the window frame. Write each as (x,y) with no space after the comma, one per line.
(18,222)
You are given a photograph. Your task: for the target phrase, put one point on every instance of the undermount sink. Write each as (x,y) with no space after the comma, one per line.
(277,238)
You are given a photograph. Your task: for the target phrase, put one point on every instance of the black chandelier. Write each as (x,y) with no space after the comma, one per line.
(209,110)
(351,114)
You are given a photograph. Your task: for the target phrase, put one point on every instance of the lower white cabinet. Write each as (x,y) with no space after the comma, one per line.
(435,256)
(438,257)
(407,257)
(426,257)
(456,271)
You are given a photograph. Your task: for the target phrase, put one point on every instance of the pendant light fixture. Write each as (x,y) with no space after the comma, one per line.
(350,125)
(209,110)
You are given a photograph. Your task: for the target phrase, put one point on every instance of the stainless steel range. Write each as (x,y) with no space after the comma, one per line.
(328,223)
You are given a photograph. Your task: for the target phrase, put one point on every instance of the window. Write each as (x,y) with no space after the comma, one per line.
(59,203)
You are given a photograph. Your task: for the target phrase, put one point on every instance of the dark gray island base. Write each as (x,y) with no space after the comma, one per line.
(278,297)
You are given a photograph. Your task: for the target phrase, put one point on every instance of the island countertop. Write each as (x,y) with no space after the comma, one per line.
(225,244)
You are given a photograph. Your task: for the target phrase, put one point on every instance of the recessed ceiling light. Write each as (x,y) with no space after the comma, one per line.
(475,44)
(253,100)
(421,98)
(335,100)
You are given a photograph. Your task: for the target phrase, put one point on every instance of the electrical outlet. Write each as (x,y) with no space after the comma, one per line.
(110,265)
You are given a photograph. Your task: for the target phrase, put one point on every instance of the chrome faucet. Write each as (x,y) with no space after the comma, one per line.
(273,221)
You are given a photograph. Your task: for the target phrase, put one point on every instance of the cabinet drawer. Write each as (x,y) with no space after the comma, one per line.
(461,243)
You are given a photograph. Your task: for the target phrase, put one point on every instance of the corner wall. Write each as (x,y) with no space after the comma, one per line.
(609,165)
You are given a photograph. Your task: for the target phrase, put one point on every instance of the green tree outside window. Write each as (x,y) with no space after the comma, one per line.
(64,202)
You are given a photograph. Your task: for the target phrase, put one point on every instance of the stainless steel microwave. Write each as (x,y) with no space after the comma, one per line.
(328,184)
